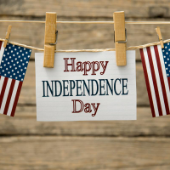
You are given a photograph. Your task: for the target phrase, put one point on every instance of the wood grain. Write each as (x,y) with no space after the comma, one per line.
(73,153)
(26,144)
(28,90)
(93,8)
(24,123)
(82,36)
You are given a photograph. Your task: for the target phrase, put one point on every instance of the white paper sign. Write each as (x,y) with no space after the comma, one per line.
(86,86)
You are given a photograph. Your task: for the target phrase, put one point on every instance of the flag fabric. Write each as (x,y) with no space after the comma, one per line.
(13,65)
(156,66)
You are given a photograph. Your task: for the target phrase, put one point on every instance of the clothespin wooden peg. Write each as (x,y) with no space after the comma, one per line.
(50,39)
(120,37)
(158,31)
(7,36)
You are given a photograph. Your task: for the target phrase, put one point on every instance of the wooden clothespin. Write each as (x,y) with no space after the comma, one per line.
(50,39)
(7,36)
(120,37)
(158,31)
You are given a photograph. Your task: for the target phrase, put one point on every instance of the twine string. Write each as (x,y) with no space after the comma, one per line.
(88,50)
(89,22)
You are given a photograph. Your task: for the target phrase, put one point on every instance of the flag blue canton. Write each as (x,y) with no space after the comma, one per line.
(14,62)
(166,55)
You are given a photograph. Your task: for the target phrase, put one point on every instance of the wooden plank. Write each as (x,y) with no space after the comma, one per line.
(72,153)
(93,8)
(82,36)
(28,90)
(24,123)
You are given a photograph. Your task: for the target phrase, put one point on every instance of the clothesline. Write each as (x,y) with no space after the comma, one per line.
(88,50)
(88,22)
(91,22)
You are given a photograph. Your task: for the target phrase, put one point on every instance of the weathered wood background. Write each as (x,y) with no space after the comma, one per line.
(26,144)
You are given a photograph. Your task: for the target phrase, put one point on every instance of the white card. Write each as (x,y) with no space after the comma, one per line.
(86,86)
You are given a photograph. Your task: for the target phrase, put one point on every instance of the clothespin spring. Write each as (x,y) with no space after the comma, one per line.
(56,33)
(125,37)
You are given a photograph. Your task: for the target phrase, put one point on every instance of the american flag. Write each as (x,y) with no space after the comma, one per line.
(156,66)
(13,65)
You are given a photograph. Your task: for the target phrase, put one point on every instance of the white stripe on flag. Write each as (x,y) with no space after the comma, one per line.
(158,80)
(1,52)
(164,73)
(5,95)
(1,83)
(150,82)
(13,97)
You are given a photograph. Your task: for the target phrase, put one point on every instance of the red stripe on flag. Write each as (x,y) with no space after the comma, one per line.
(0,44)
(147,82)
(16,98)
(3,90)
(9,97)
(154,81)
(161,79)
